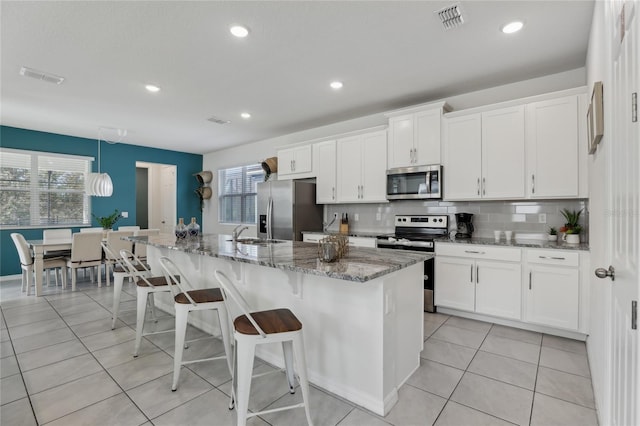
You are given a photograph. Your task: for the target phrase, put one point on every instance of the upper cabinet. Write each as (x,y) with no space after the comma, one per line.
(295,163)
(520,151)
(484,155)
(361,172)
(414,136)
(324,157)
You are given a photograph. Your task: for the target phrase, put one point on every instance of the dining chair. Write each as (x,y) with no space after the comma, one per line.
(86,251)
(98,229)
(188,299)
(129,228)
(56,234)
(115,243)
(140,250)
(27,264)
(254,328)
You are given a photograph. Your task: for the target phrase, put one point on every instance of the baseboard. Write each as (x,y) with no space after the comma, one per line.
(10,277)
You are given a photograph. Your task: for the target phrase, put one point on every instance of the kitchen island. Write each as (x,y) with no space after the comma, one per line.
(362,316)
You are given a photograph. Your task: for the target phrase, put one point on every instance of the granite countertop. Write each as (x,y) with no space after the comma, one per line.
(359,265)
(516,243)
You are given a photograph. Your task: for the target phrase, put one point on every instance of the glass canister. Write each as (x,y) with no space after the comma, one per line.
(181,230)
(193,228)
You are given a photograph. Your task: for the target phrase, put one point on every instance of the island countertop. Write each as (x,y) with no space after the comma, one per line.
(359,265)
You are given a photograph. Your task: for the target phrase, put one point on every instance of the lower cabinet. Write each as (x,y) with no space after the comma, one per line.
(481,279)
(553,288)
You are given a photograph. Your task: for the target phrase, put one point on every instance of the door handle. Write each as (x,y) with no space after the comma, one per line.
(604,273)
(333,193)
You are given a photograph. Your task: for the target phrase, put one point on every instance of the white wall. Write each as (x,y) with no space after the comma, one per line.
(258,151)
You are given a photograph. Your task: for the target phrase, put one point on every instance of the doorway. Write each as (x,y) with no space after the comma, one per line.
(156,190)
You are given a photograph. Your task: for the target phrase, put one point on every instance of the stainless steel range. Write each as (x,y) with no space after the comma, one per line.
(418,233)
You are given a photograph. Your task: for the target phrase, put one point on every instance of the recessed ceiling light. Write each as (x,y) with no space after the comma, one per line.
(512,27)
(239,31)
(245,115)
(336,85)
(152,88)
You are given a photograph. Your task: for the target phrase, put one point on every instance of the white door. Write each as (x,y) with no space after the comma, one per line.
(624,205)
(168,199)
(456,288)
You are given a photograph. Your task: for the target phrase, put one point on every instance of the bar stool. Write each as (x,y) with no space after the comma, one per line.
(254,328)
(187,300)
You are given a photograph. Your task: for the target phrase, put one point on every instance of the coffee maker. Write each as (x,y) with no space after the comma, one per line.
(465,227)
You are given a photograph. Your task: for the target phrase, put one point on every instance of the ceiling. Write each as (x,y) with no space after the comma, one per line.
(387,54)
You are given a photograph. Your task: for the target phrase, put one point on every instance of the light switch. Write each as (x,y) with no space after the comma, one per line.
(124,214)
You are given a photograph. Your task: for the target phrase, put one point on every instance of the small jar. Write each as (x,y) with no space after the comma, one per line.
(181,230)
(193,229)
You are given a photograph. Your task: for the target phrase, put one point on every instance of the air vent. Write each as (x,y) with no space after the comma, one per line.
(218,120)
(41,75)
(451,16)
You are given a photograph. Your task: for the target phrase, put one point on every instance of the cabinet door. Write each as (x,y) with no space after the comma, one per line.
(427,137)
(349,169)
(552,148)
(499,289)
(503,166)
(552,296)
(374,173)
(302,159)
(462,168)
(455,283)
(285,161)
(401,141)
(325,156)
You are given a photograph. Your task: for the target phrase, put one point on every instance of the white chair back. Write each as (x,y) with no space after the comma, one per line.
(129,228)
(171,272)
(86,247)
(23,249)
(229,291)
(116,243)
(129,262)
(140,250)
(91,229)
(56,234)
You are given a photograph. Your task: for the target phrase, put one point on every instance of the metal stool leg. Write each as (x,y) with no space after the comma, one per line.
(141,311)
(242,377)
(117,292)
(287,348)
(298,348)
(182,314)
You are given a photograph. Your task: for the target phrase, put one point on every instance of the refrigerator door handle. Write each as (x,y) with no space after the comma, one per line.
(269,224)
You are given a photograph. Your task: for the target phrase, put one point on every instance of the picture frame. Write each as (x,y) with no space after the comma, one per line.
(595,118)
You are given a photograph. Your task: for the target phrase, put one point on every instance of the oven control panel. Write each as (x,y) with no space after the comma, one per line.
(423,221)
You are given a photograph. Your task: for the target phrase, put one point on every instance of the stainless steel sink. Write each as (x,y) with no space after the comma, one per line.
(256,241)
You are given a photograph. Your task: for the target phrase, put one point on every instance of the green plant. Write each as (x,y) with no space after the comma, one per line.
(575,230)
(107,222)
(572,217)
(553,231)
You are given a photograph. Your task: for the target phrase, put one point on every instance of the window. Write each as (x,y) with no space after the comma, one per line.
(237,193)
(43,189)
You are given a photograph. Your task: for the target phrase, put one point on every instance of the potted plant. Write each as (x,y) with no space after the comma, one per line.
(571,228)
(553,234)
(107,222)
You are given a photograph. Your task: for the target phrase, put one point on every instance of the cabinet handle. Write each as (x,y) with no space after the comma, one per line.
(478,186)
(529,280)
(333,192)
(533,184)
(477,275)
(474,252)
(484,187)
(552,257)
(471,274)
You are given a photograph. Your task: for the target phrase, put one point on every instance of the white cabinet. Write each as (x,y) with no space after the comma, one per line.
(552,148)
(414,138)
(482,279)
(361,172)
(484,155)
(324,156)
(295,162)
(553,288)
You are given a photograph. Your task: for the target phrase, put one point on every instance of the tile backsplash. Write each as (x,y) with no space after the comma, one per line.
(488,216)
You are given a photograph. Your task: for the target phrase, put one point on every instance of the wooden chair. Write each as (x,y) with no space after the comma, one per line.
(255,328)
(27,265)
(86,251)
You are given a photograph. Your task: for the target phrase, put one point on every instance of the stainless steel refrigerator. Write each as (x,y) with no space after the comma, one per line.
(286,208)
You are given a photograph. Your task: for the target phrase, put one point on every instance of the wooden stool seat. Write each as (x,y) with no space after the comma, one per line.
(271,322)
(154,281)
(119,269)
(204,295)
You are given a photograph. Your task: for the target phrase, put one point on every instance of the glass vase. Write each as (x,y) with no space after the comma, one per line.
(193,229)
(181,230)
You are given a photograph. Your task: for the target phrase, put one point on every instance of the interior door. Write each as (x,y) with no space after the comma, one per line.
(624,205)
(168,199)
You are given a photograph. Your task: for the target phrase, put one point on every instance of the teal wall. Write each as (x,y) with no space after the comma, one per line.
(119,160)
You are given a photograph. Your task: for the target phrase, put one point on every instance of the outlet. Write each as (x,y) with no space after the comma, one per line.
(124,214)
(542,218)
(378,216)
(356,217)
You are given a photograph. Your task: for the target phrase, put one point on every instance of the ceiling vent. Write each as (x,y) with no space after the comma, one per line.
(451,16)
(40,75)
(218,120)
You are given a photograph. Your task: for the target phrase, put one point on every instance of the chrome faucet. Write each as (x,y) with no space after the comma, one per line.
(235,234)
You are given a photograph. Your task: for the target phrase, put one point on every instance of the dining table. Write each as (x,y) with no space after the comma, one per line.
(39,247)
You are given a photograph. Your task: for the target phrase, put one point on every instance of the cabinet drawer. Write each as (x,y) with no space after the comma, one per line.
(509,254)
(363,242)
(553,257)
(312,238)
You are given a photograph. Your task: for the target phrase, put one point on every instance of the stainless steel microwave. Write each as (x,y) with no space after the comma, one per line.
(411,183)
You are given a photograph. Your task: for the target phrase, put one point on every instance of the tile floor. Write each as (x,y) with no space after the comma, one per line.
(61,364)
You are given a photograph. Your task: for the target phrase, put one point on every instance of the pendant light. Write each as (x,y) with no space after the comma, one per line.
(99,184)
